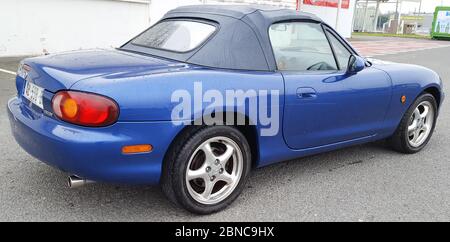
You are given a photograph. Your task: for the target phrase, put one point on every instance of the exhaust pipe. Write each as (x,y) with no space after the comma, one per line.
(75,182)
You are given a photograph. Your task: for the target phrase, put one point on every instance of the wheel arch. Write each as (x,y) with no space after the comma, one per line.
(249,130)
(436,94)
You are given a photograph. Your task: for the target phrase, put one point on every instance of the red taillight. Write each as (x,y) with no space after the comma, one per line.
(85,109)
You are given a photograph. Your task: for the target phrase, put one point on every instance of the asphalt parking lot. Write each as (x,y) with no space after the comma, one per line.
(362,183)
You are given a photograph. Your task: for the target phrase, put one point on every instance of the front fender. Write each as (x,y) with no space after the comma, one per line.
(410,81)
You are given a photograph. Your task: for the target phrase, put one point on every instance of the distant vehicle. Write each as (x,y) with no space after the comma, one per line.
(108,115)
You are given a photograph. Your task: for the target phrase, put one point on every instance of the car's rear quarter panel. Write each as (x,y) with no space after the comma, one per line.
(148,97)
(92,153)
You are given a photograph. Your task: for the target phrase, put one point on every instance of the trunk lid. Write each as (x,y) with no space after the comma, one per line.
(62,71)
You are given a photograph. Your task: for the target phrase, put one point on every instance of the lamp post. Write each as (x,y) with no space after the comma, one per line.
(377,13)
(354,16)
(397,16)
(337,14)
(298,5)
(365,16)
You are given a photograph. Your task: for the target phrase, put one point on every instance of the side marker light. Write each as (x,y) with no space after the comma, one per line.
(136,149)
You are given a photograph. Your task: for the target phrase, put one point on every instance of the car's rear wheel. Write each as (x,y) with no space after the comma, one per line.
(417,125)
(207,171)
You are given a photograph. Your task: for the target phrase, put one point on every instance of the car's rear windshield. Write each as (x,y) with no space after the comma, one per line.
(175,35)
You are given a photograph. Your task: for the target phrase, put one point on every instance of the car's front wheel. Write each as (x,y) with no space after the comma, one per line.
(416,126)
(207,171)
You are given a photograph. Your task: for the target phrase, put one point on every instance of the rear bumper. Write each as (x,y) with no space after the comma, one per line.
(92,153)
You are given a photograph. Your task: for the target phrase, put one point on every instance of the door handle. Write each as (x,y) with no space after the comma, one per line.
(306,93)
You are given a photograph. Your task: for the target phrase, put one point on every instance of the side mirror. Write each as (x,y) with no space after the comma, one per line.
(355,64)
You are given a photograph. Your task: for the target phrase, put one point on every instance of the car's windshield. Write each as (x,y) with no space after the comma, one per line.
(175,35)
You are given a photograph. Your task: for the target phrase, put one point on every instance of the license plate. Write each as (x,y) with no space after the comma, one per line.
(34,94)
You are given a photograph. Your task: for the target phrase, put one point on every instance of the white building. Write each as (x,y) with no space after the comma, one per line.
(29,27)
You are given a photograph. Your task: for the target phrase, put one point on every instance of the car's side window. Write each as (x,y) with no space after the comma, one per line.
(341,52)
(301,46)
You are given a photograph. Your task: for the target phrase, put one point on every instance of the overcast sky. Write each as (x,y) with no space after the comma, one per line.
(427,6)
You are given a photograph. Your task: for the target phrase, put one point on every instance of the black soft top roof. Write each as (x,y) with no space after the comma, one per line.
(241,41)
(240,11)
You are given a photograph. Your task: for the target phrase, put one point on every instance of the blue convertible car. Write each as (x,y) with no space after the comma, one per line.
(198,100)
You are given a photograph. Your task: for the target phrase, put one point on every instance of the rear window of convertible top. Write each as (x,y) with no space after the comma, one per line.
(175,35)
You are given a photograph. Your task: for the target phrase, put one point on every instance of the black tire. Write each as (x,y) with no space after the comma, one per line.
(400,140)
(173,181)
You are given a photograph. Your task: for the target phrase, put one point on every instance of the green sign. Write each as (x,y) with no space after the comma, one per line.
(417,18)
(441,23)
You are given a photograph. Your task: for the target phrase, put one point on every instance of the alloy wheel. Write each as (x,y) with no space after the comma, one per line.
(214,170)
(420,124)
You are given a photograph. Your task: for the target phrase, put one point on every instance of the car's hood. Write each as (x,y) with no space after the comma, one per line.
(410,75)
(379,62)
(389,66)
(61,71)
(394,67)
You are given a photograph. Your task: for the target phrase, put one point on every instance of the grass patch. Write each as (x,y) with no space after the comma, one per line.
(413,36)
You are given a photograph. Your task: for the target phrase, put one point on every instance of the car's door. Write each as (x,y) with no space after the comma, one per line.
(323,103)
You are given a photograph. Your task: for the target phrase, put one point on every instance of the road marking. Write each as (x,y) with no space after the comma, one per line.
(8,72)
(376,48)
